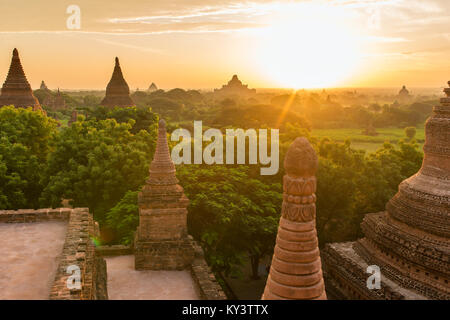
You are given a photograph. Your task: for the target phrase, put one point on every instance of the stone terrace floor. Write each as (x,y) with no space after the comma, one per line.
(125,283)
(28,258)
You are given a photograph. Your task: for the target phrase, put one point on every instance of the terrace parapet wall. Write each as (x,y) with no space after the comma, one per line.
(78,250)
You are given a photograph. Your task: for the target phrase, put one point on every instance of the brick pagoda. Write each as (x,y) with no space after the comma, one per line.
(117,91)
(162,241)
(16,90)
(296,270)
(410,241)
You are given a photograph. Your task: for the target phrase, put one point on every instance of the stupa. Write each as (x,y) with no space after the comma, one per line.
(410,241)
(235,87)
(152,87)
(16,90)
(296,270)
(56,102)
(43,86)
(117,91)
(73,118)
(404,95)
(162,241)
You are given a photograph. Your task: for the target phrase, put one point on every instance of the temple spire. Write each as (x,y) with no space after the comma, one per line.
(162,241)
(16,90)
(117,91)
(296,270)
(162,169)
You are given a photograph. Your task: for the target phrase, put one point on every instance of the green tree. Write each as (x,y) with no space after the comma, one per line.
(232,215)
(410,132)
(123,218)
(96,162)
(25,138)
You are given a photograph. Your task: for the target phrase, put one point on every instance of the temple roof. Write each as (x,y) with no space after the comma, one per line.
(16,90)
(235,86)
(43,86)
(403,91)
(117,91)
(152,87)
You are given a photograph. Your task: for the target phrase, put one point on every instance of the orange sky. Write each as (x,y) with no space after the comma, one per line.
(200,44)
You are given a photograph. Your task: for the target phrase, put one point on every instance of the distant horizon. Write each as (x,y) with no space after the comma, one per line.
(201,43)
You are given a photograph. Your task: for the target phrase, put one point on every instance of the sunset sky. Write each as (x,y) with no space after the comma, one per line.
(201,44)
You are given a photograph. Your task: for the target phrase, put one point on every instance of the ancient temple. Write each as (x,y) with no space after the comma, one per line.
(410,241)
(162,241)
(404,95)
(56,102)
(235,87)
(43,86)
(16,90)
(296,269)
(73,118)
(117,91)
(152,88)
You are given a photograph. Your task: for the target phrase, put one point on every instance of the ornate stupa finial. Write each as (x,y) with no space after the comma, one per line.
(117,91)
(296,270)
(16,89)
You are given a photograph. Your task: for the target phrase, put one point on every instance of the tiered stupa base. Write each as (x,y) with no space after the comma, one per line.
(423,274)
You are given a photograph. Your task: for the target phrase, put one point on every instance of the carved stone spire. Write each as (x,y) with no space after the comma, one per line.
(162,241)
(117,91)
(16,89)
(296,270)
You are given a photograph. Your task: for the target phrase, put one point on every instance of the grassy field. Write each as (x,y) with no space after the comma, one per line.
(368,143)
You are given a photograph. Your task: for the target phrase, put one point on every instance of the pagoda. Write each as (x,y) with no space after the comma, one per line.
(56,102)
(410,241)
(152,88)
(404,95)
(235,87)
(296,269)
(43,86)
(117,91)
(162,241)
(16,90)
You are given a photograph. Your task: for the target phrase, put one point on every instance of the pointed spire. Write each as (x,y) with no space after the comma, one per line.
(117,91)
(162,168)
(161,239)
(296,270)
(16,89)
(152,87)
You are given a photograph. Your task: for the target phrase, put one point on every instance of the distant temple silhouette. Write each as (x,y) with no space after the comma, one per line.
(16,89)
(152,88)
(117,91)
(235,87)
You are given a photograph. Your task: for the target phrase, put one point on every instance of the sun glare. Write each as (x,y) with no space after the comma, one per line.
(306,46)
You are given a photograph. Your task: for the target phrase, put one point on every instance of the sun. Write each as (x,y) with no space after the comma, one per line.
(308,47)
